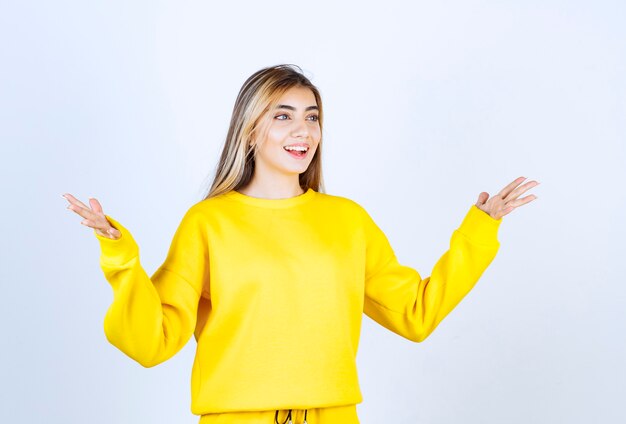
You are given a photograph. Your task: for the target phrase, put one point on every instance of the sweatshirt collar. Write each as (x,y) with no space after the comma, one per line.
(271,203)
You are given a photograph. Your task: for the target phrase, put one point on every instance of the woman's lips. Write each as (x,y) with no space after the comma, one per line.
(296,154)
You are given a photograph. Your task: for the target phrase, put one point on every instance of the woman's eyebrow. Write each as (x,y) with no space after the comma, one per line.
(293,108)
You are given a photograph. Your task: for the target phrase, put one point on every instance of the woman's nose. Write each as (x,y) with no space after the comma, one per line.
(300,129)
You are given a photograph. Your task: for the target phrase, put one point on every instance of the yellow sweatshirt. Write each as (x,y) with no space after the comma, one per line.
(274,291)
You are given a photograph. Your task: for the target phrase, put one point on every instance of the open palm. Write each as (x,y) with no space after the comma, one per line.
(506,200)
(94,216)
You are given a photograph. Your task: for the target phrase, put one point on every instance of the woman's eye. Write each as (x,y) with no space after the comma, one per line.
(284,116)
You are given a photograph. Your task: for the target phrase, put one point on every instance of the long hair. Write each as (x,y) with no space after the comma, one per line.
(258,95)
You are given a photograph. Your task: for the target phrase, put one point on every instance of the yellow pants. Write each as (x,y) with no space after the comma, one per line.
(332,415)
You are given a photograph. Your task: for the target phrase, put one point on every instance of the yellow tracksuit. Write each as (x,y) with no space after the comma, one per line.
(274,291)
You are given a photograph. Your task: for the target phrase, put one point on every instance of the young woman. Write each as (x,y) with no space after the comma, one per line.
(272,275)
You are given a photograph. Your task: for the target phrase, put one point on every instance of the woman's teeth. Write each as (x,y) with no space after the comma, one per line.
(297,151)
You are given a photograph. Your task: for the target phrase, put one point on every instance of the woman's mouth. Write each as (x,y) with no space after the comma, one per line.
(297,152)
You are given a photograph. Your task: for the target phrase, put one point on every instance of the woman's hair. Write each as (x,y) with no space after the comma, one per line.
(249,123)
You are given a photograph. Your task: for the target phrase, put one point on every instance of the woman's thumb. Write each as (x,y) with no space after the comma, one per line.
(482,198)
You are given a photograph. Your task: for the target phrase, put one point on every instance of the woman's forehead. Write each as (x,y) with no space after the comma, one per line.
(298,95)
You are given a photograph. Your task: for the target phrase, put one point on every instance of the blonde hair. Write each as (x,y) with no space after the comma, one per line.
(258,95)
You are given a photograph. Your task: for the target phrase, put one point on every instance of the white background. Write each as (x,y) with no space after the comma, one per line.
(427,104)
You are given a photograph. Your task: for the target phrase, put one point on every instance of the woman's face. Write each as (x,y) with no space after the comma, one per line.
(293,133)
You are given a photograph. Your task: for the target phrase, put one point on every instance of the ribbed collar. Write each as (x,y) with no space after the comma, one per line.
(271,203)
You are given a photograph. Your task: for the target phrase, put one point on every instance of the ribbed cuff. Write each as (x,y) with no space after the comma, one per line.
(118,251)
(480,227)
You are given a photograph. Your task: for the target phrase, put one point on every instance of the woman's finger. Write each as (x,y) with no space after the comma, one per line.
(109,228)
(79,207)
(521,190)
(92,218)
(95,205)
(482,198)
(506,211)
(522,201)
(509,188)
(102,227)
(74,201)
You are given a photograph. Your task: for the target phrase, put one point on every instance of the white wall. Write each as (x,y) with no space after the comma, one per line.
(427,104)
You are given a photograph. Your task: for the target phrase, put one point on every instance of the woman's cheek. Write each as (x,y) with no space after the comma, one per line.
(280,132)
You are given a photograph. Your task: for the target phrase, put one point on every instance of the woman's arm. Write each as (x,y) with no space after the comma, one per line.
(397,297)
(152,318)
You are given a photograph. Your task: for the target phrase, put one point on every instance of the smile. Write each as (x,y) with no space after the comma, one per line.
(297,151)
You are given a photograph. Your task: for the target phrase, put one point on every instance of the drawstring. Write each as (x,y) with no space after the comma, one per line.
(289,418)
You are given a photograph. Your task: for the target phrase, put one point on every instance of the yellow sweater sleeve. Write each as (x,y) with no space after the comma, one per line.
(400,300)
(152,318)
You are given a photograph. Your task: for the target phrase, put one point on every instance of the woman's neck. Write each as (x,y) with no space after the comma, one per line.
(272,190)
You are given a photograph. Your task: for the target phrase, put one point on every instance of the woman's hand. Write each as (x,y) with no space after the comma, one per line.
(94,217)
(504,202)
